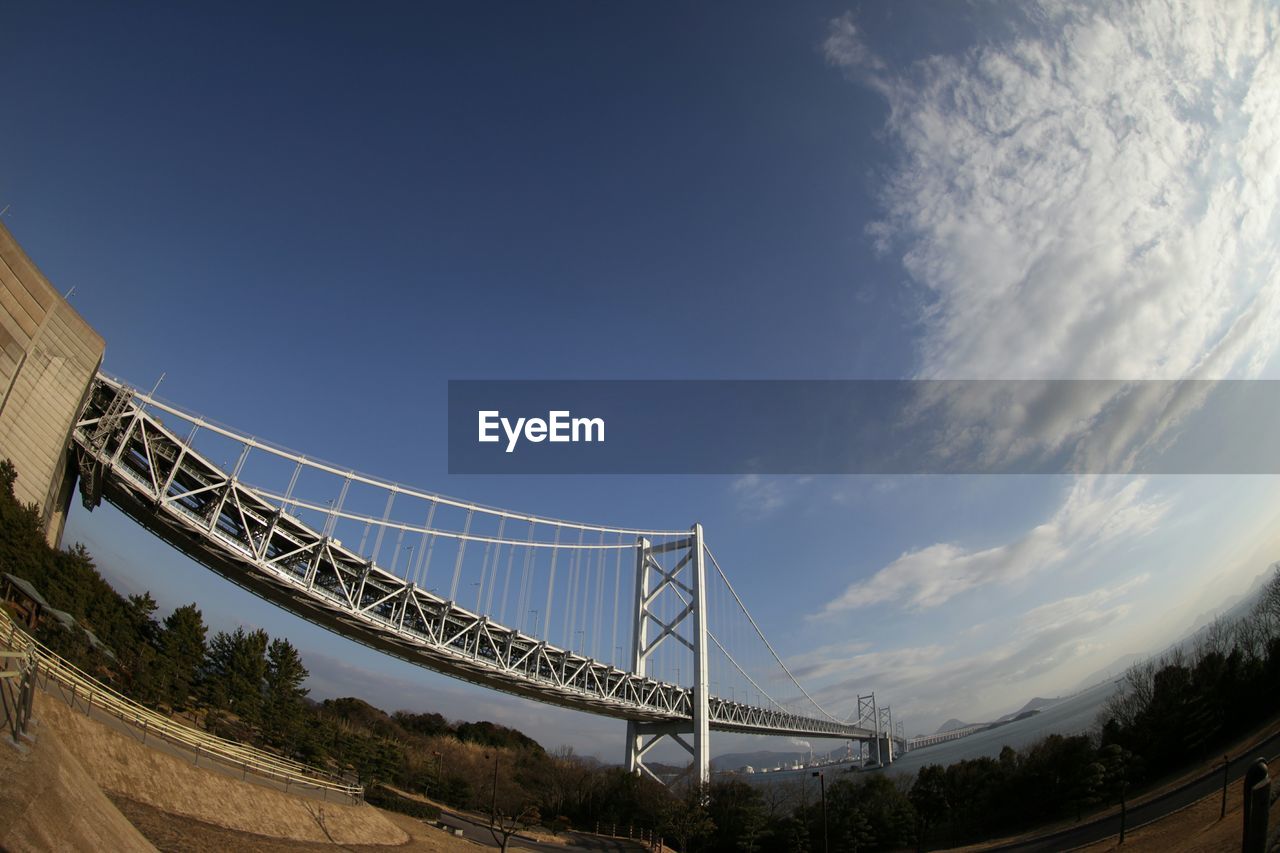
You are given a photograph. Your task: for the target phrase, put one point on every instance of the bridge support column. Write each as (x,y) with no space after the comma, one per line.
(884,730)
(869,718)
(686,581)
(701,676)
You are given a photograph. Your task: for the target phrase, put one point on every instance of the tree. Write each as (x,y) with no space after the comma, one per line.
(738,812)
(511,807)
(686,819)
(857,834)
(282,708)
(929,796)
(1118,766)
(182,645)
(141,611)
(235,669)
(789,836)
(1087,787)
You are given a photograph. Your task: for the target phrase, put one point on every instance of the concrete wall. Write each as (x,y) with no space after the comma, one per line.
(48,358)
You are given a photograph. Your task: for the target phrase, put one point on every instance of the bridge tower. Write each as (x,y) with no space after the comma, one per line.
(868,718)
(686,579)
(884,734)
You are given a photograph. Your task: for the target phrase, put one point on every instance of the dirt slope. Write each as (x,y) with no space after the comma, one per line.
(185,835)
(121,765)
(49,802)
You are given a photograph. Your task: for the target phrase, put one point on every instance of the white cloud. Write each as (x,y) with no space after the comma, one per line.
(845,47)
(760,496)
(1095,510)
(1096,197)
(1074,607)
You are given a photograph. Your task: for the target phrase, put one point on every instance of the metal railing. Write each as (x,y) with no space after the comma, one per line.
(81,690)
(17,686)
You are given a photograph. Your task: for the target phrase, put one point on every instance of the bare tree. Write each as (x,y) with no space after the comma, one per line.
(511,808)
(504,825)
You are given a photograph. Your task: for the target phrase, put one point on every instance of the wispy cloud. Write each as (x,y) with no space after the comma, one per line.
(845,47)
(1073,607)
(759,496)
(1095,510)
(1095,196)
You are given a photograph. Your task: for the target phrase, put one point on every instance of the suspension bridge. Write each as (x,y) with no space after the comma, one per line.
(637,624)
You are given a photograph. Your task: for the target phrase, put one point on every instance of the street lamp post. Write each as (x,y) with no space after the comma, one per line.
(822,781)
(493,806)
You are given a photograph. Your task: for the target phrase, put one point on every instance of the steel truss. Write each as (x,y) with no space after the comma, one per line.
(129,457)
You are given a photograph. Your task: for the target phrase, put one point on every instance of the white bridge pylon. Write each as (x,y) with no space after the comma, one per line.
(389,566)
(691,593)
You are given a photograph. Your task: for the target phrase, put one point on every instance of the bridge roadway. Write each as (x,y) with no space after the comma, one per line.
(130,458)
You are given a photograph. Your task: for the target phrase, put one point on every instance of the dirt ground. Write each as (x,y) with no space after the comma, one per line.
(1193,829)
(49,802)
(169,832)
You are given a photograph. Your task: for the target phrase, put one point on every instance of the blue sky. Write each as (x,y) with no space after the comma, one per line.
(310,220)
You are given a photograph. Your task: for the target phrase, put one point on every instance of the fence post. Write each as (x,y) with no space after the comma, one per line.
(1123,814)
(1257,802)
(31,684)
(1226,765)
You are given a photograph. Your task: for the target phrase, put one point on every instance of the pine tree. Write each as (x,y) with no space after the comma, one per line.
(236,668)
(282,710)
(183,647)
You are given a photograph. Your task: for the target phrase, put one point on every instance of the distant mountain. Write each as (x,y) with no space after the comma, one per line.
(1229,609)
(1034,705)
(950,726)
(1112,671)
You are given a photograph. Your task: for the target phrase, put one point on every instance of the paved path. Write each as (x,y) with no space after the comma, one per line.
(478,831)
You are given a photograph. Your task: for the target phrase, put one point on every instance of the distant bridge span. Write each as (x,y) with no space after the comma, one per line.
(283,547)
